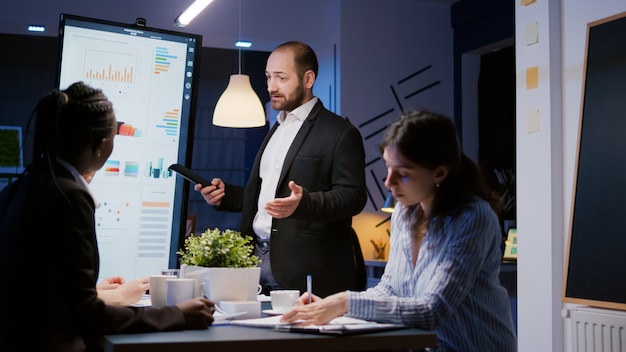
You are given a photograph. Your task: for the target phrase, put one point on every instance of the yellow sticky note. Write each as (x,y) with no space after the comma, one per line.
(532,77)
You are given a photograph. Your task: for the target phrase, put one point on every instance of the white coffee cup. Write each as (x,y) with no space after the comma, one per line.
(283,300)
(178,290)
(158,290)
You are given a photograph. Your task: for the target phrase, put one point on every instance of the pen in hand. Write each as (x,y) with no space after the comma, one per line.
(309,288)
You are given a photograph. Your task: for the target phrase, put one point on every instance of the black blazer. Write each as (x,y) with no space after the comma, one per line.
(327,159)
(50,267)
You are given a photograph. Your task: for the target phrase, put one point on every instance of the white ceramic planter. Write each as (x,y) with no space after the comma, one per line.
(224,284)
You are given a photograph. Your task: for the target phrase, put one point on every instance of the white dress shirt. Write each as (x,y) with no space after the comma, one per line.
(273,159)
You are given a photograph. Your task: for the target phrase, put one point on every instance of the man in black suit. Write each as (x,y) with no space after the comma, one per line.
(306,184)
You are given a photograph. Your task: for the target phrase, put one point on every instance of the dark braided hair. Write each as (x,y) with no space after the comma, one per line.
(430,140)
(67,122)
(71,120)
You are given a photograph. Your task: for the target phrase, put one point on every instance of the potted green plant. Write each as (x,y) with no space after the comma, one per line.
(222,249)
(222,264)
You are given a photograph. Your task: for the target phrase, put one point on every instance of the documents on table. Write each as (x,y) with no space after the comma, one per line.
(143,302)
(337,326)
(222,315)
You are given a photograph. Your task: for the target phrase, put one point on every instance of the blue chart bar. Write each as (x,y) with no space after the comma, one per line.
(169,130)
(170,123)
(161,60)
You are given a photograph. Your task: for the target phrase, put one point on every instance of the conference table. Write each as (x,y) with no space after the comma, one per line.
(232,338)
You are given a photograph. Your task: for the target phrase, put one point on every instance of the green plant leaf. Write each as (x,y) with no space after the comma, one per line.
(215,248)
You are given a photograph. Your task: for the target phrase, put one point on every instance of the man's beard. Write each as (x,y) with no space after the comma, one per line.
(291,104)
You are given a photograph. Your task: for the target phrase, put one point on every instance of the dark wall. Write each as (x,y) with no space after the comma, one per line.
(476,24)
(29,71)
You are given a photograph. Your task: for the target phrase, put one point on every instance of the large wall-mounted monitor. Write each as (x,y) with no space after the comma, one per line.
(150,75)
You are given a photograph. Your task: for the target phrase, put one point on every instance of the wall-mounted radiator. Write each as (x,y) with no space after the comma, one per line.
(598,330)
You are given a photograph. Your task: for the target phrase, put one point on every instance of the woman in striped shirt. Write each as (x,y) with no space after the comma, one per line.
(445,251)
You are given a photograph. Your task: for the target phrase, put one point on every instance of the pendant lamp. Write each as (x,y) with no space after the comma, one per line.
(390,203)
(239,106)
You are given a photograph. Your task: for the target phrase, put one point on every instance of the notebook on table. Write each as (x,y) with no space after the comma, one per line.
(337,326)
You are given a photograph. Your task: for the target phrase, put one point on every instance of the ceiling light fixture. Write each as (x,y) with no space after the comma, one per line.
(243,44)
(36,28)
(191,12)
(239,106)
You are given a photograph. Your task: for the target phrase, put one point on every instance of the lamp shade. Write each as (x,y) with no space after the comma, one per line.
(390,203)
(239,106)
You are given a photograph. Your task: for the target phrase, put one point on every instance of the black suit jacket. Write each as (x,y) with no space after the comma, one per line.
(327,159)
(50,265)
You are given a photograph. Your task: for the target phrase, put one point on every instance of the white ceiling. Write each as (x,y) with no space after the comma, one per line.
(265,22)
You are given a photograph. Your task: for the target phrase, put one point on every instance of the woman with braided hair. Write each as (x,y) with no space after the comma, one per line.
(49,257)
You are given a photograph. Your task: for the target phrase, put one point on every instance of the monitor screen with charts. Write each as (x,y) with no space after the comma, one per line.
(150,76)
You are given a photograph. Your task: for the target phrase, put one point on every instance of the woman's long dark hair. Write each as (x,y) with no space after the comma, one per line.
(430,140)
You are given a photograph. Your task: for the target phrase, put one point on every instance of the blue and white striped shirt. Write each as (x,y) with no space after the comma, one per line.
(454,288)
